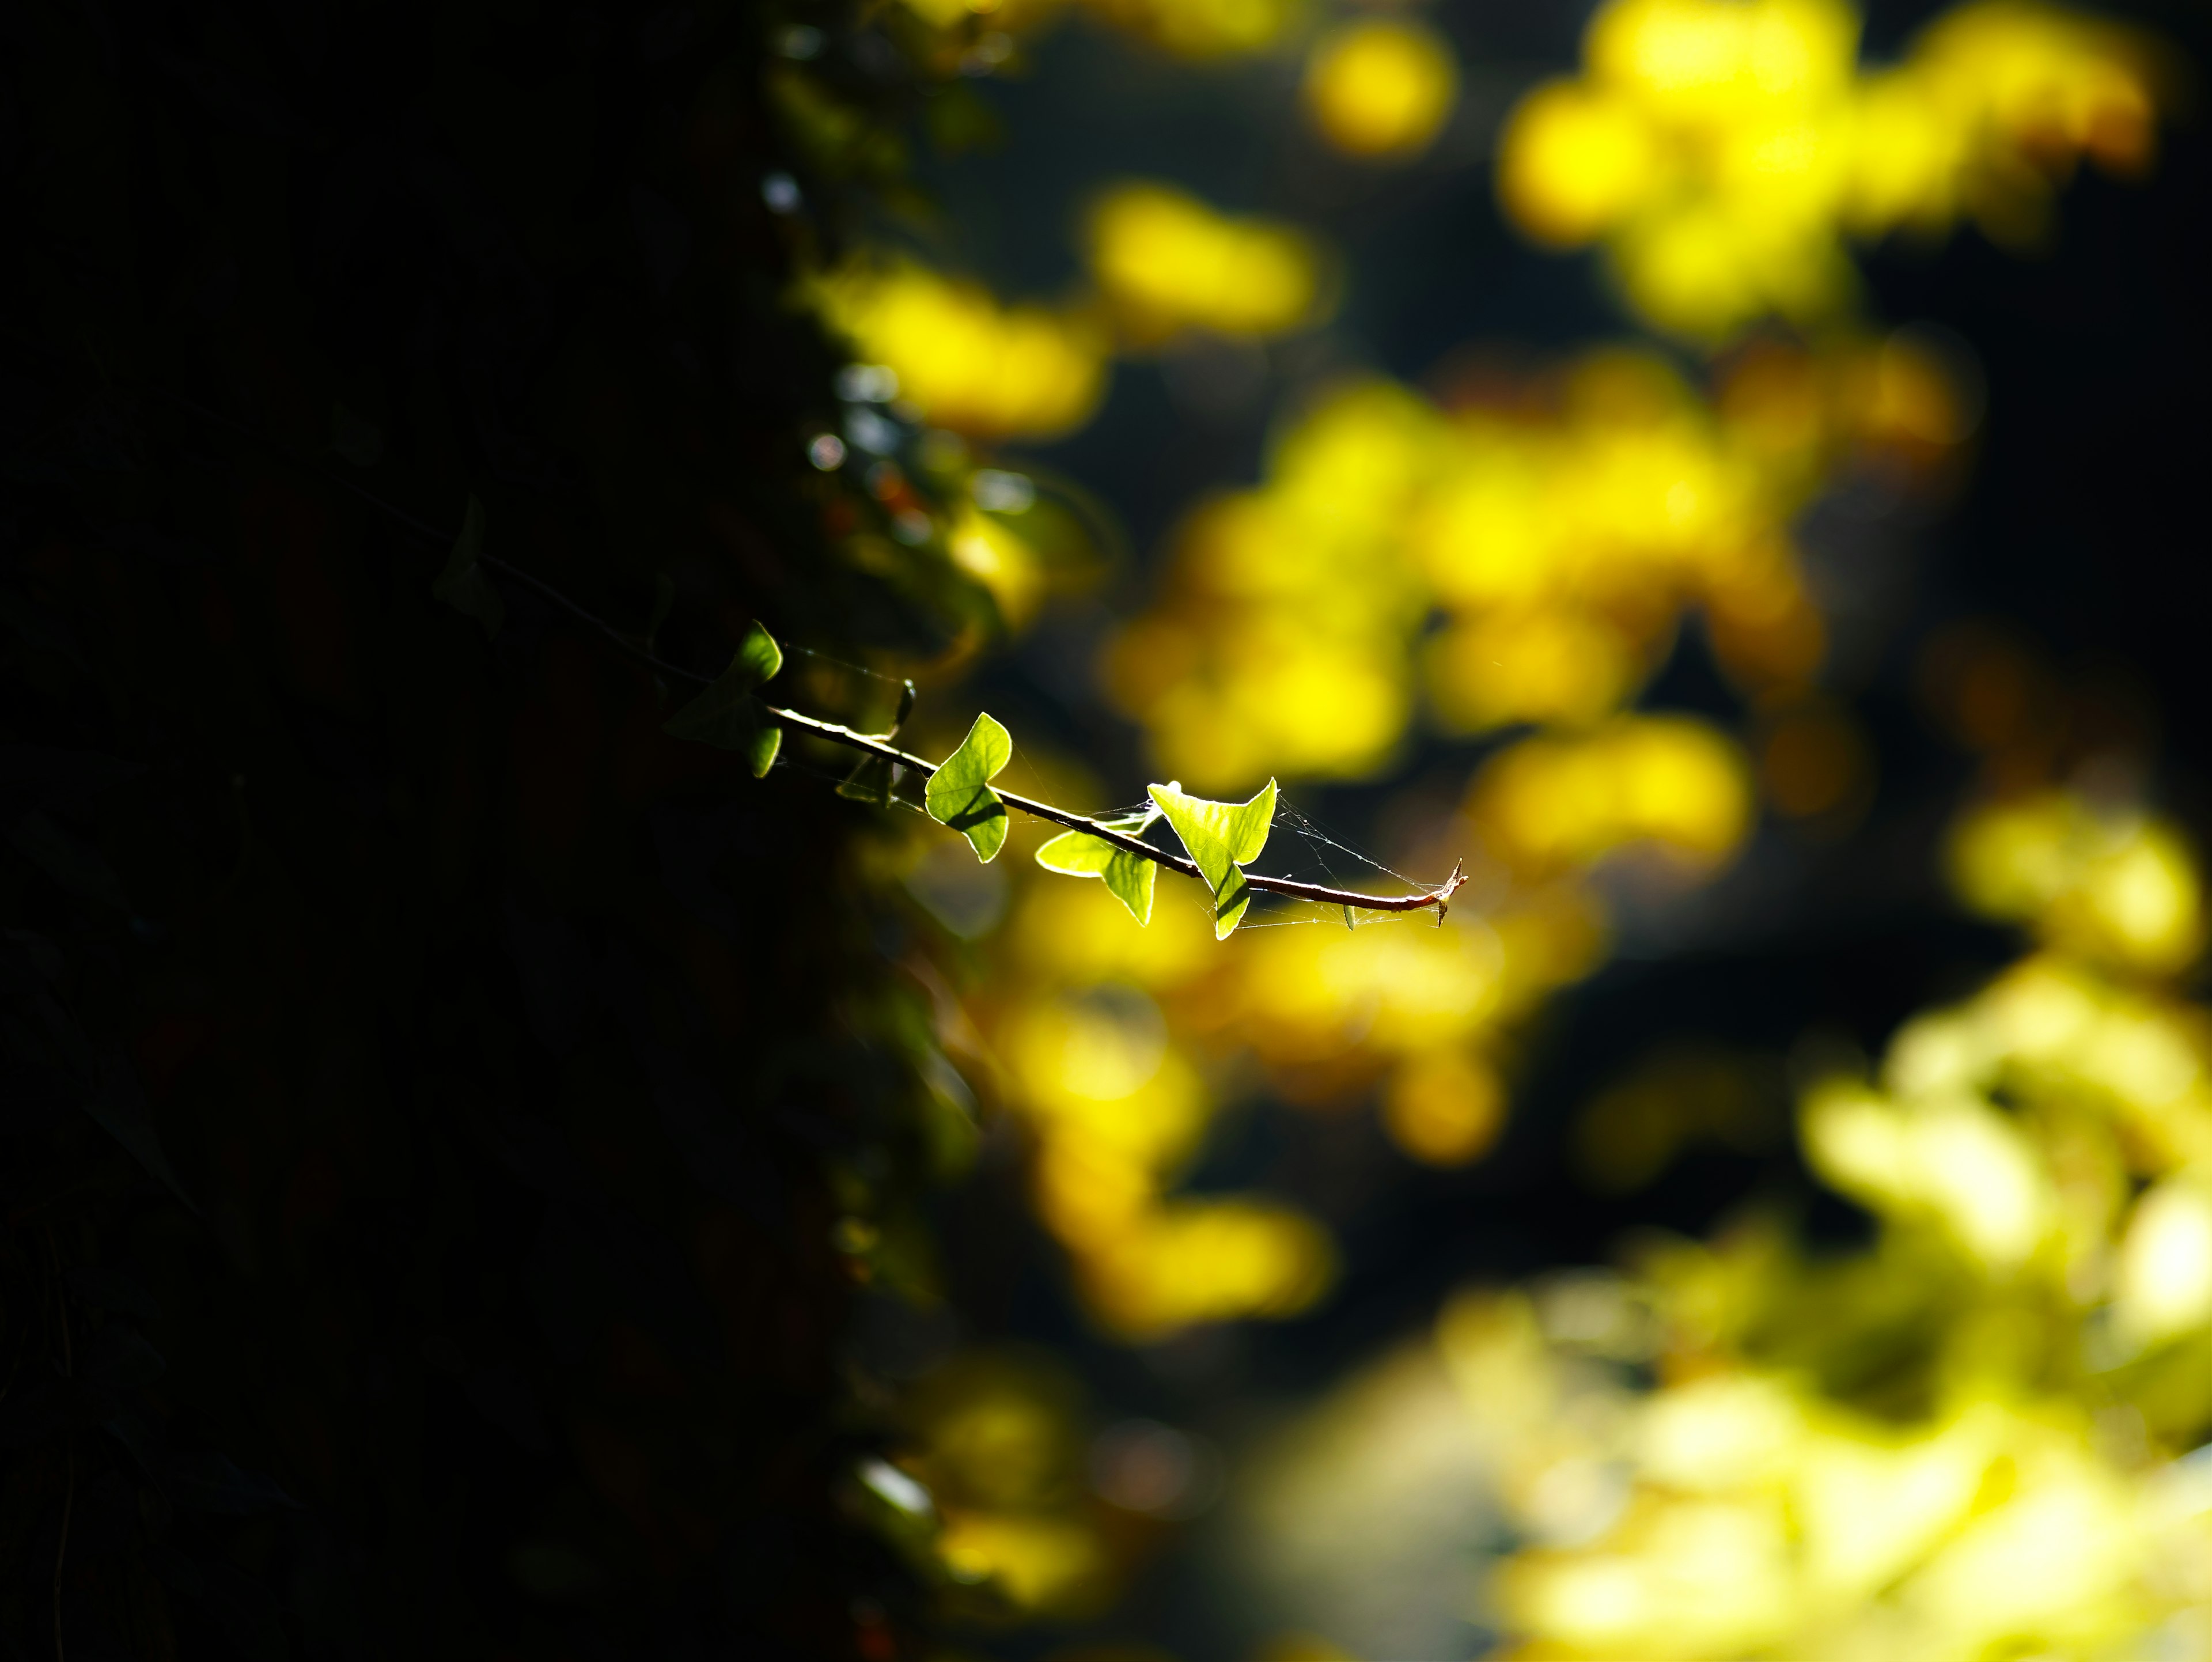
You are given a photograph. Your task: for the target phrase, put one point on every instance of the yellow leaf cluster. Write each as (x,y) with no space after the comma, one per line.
(1199,30)
(995,1438)
(965,361)
(1723,152)
(1968,1439)
(1166,262)
(1116,1107)
(1563,527)
(1381,88)
(1116,1044)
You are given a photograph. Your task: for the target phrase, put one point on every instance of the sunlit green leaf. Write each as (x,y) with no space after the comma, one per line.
(1221,837)
(1130,876)
(727,715)
(960,793)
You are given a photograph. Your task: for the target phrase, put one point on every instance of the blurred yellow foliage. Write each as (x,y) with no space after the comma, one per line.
(963,361)
(1671,781)
(1201,28)
(1722,150)
(1114,1041)
(997,1440)
(1116,1107)
(2108,884)
(1194,29)
(1382,88)
(1444,1107)
(1562,524)
(1166,262)
(1968,1439)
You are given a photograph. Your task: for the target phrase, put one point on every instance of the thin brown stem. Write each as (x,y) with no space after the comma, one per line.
(871,746)
(836,734)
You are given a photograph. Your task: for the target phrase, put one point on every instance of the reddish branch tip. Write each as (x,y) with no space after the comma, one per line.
(1450,888)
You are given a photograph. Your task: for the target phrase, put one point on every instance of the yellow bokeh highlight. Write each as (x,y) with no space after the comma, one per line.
(964,361)
(997,1440)
(2162,1284)
(1194,1261)
(1381,88)
(950,13)
(1113,1045)
(1201,30)
(1167,262)
(1969,1438)
(1980,1433)
(1723,152)
(996,556)
(2111,884)
(1671,781)
(1528,555)
(1198,30)
(1115,1107)
(1444,1108)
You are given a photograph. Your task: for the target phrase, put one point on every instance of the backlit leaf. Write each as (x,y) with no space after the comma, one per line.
(960,793)
(1131,877)
(727,715)
(1221,837)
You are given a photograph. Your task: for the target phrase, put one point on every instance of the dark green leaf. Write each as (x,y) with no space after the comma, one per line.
(727,715)
(462,585)
(871,782)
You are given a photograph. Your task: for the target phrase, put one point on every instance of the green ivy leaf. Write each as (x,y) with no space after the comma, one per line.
(1130,876)
(960,793)
(462,585)
(726,715)
(1221,836)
